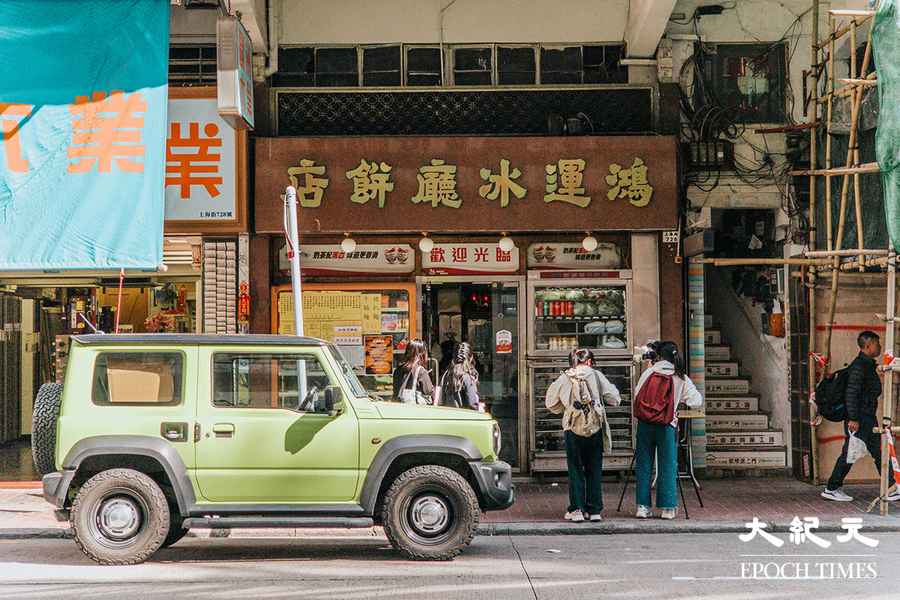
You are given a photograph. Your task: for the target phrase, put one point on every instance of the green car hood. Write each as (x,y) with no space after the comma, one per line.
(398,410)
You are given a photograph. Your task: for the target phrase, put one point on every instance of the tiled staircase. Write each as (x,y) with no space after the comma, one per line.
(738,434)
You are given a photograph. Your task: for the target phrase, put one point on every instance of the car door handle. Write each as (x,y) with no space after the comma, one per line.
(223,429)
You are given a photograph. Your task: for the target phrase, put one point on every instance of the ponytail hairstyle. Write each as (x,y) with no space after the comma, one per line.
(668,351)
(416,354)
(581,356)
(463,364)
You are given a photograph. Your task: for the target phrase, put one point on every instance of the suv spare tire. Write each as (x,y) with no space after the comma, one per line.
(43,427)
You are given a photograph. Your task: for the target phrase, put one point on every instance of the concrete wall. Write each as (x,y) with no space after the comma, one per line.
(453,21)
(763,357)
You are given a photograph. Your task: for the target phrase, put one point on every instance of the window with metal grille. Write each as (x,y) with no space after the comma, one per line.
(381,66)
(460,112)
(561,65)
(192,65)
(516,65)
(423,66)
(748,80)
(473,66)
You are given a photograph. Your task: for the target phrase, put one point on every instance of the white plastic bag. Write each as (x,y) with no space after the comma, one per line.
(856,450)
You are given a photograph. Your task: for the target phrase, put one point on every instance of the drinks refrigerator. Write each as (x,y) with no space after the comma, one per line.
(579,312)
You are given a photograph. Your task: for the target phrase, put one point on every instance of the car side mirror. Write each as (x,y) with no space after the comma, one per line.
(333,396)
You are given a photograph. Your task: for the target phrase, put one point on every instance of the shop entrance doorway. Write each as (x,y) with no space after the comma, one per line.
(486,314)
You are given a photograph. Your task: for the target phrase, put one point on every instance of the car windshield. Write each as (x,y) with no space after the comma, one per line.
(352,379)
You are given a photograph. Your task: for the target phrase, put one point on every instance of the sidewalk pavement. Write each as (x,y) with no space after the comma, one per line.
(728,505)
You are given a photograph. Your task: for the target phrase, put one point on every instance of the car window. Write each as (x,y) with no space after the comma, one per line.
(282,381)
(151,378)
(355,386)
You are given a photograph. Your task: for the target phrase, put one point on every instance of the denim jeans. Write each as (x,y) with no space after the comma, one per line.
(584,457)
(660,441)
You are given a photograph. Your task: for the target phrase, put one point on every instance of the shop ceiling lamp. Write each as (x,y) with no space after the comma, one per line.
(426,244)
(348,244)
(589,243)
(506,243)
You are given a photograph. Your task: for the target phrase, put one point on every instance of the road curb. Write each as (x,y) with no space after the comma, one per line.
(650,526)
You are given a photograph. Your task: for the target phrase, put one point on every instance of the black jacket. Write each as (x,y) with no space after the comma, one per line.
(863,389)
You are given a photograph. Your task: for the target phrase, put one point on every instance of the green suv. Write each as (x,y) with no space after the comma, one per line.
(152,435)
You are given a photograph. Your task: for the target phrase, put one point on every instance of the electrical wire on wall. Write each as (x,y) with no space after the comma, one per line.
(707,118)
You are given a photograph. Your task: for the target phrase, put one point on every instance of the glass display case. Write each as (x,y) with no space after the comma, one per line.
(579,314)
(547,443)
(370,324)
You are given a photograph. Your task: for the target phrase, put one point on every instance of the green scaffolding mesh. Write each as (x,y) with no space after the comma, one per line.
(886,45)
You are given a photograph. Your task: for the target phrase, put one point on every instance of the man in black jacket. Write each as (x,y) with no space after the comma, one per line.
(861,400)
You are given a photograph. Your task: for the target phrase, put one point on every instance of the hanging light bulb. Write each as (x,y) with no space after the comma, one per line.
(426,244)
(348,244)
(506,243)
(589,243)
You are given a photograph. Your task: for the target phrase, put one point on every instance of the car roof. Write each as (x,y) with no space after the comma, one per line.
(191,339)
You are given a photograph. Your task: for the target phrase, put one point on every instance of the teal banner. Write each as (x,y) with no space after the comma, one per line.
(83,118)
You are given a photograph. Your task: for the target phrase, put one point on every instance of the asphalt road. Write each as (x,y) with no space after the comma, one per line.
(639,566)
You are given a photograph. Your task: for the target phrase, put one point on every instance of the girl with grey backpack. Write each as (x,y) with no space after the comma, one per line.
(412,382)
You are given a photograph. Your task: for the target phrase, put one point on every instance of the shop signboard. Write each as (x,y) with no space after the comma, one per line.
(470,259)
(469,184)
(552,255)
(323,260)
(205,167)
(82,116)
(234,73)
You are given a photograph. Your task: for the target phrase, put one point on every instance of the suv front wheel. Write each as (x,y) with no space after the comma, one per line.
(430,513)
(120,517)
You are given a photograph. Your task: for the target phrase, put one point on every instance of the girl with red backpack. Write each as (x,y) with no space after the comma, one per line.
(661,388)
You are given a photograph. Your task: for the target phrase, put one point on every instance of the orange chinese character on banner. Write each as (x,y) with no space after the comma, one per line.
(11,117)
(107,129)
(183,170)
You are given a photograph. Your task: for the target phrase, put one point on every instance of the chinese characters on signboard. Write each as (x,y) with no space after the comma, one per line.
(201,165)
(234,67)
(437,183)
(470,259)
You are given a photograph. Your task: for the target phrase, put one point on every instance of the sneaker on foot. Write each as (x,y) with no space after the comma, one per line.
(893,496)
(667,514)
(596,517)
(643,512)
(577,517)
(836,495)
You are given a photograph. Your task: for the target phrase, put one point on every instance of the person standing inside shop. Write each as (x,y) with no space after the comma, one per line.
(459,383)
(861,401)
(579,393)
(661,388)
(412,382)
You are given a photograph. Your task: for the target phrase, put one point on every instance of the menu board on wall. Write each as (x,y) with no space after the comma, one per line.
(379,354)
(330,315)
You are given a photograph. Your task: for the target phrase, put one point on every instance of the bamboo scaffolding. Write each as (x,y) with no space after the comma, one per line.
(887,409)
(827,253)
(811,291)
(745,262)
(863,168)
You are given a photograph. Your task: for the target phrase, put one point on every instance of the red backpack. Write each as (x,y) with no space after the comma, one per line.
(655,402)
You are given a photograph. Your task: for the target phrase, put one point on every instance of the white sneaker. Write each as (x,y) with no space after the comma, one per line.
(667,514)
(643,512)
(577,516)
(893,496)
(596,517)
(836,495)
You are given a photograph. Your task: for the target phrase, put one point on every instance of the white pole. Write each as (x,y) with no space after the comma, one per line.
(290,207)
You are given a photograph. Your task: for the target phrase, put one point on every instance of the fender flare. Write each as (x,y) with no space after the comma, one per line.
(411,444)
(140,445)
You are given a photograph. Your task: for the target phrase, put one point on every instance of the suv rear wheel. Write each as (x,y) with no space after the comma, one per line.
(120,517)
(430,513)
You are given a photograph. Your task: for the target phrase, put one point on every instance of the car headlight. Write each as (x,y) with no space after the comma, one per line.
(497,439)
